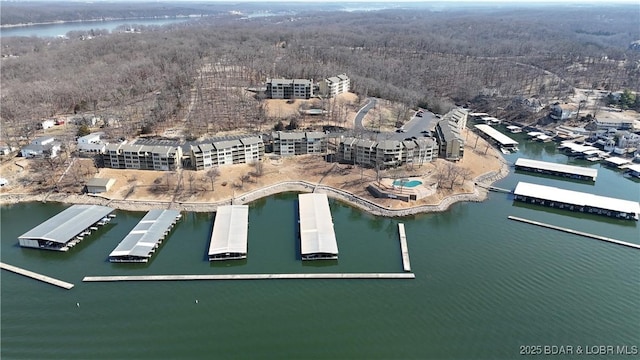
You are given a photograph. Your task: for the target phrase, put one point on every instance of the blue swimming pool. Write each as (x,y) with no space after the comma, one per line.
(407,183)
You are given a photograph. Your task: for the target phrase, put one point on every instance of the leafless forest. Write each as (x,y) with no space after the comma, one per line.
(197,71)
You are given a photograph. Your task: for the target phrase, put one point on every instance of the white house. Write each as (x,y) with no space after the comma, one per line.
(44,146)
(46,124)
(91,143)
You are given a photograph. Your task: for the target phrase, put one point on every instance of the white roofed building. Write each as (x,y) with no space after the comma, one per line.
(229,235)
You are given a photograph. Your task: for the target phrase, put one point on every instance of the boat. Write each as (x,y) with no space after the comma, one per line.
(504,151)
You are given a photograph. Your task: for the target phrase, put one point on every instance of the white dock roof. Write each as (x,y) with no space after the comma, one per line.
(561,168)
(64,226)
(316,226)
(617,160)
(146,234)
(496,135)
(229,233)
(576,198)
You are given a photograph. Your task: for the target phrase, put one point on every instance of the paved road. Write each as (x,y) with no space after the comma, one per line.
(362,112)
(416,125)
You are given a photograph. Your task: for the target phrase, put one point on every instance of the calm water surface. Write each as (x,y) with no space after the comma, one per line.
(484,285)
(53,30)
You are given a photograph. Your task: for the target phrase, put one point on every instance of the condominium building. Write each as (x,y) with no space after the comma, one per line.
(226,152)
(334,85)
(289,88)
(299,143)
(450,142)
(386,153)
(142,157)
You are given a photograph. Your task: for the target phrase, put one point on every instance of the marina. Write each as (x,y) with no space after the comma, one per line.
(66,229)
(498,138)
(576,201)
(36,276)
(575,232)
(562,170)
(229,234)
(317,236)
(406,264)
(617,162)
(145,238)
(251,277)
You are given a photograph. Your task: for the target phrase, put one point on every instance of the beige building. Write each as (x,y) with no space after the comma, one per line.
(299,143)
(218,153)
(142,157)
(448,134)
(334,85)
(386,153)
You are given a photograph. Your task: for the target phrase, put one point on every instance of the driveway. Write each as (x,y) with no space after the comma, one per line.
(357,125)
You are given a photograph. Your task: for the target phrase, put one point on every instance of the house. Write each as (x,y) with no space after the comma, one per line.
(334,85)
(99,185)
(299,143)
(603,122)
(91,143)
(289,88)
(46,124)
(560,112)
(44,146)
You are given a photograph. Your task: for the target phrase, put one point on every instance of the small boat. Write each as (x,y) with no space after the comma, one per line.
(504,151)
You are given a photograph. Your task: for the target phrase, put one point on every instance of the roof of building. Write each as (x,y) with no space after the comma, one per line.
(101,182)
(67,224)
(251,140)
(561,168)
(389,145)
(316,226)
(225,144)
(146,235)
(42,139)
(446,129)
(496,135)
(229,233)
(295,135)
(576,198)
(617,160)
(635,168)
(614,120)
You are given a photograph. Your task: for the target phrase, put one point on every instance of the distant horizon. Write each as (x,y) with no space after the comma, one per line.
(513,2)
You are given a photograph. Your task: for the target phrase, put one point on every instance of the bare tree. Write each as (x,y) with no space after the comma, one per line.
(213,174)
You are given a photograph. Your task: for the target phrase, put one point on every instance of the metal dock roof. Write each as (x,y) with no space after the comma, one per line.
(560,168)
(146,235)
(316,226)
(576,198)
(64,226)
(496,135)
(229,235)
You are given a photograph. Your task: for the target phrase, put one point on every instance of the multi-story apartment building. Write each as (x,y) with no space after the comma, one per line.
(289,88)
(299,143)
(334,85)
(142,157)
(386,153)
(450,143)
(226,152)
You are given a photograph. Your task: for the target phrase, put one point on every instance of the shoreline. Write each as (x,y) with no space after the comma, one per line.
(479,194)
(61,22)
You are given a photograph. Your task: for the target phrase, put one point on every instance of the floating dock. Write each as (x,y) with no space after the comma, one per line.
(577,201)
(39,277)
(67,228)
(229,235)
(251,277)
(499,138)
(317,236)
(567,171)
(576,232)
(406,264)
(141,242)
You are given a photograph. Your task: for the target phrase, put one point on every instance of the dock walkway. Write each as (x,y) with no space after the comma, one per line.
(250,277)
(575,232)
(406,264)
(33,275)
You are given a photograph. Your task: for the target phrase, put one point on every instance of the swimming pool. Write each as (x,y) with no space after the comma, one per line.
(407,183)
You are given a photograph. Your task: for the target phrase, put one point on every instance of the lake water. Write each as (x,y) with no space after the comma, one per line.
(54,30)
(484,286)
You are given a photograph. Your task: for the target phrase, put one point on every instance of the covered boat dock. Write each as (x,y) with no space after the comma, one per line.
(568,171)
(498,138)
(317,236)
(67,228)
(141,242)
(577,201)
(229,235)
